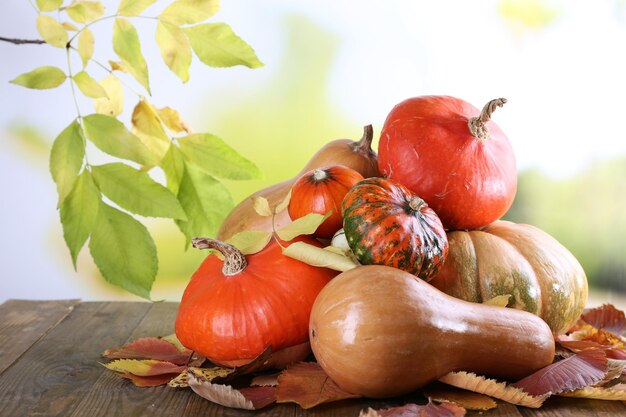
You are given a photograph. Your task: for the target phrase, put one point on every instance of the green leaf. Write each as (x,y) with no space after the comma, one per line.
(41,78)
(173,165)
(66,158)
(124,251)
(52,31)
(305,225)
(85,11)
(212,155)
(49,5)
(171,118)
(135,191)
(148,128)
(133,7)
(70,26)
(113,104)
(206,202)
(218,46)
(86,46)
(189,12)
(79,212)
(88,86)
(250,241)
(126,45)
(175,49)
(112,137)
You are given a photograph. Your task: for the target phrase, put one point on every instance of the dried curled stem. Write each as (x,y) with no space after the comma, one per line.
(478,125)
(234,261)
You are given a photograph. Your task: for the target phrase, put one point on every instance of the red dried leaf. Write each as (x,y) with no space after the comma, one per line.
(307,385)
(252,398)
(414,410)
(604,337)
(606,317)
(582,345)
(578,371)
(149,381)
(616,354)
(149,348)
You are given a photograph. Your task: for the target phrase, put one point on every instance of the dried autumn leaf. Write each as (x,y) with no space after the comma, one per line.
(307,385)
(578,371)
(144,367)
(173,120)
(601,336)
(304,225)
(150,348)
(469,400)
(315,256)
(615,369)
(250,241)
(606,317)
(414,410)
(615,393)
(265,380)
(492,388)
(149,381)
(252,398)
(284,203)
(261,206)
(498,300)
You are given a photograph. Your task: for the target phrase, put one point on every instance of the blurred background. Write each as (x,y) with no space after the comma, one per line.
(330,68)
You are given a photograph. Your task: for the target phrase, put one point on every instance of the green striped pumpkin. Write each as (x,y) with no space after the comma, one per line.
(386,224)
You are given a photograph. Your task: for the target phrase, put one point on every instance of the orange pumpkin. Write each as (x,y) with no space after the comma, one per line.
(519,260)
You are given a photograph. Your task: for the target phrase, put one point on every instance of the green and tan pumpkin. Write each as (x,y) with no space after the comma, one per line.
(386,224)
(505,258)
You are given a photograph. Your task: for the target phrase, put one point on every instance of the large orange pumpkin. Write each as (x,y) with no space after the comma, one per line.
(519,260)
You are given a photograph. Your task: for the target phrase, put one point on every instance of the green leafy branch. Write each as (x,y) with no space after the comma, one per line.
(97,202)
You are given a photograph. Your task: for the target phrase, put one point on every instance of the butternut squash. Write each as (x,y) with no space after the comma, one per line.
(381,332)
(356,155)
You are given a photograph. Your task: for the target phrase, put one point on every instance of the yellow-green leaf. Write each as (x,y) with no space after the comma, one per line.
(189,12)
(78,213)
(85,11)
(261,206)
(218,46)
(86,45)
(124,251)
(66,159)
(127,47)
(305,225)
(498,300)
(118,66)
(173,166)
(250,241)
(175,49)
(133,7)
(70,26)
(49,5)
(112,137)
(88,86)
(136,192)
(173,121)
(315,256)
(41,78)
(284,203)
(113,104)
(52,31)
(148,128)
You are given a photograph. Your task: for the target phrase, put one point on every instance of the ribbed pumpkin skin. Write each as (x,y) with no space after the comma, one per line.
(520,260)
(382,228)
(235,318)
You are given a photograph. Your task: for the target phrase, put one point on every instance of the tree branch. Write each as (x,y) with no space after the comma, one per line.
(22,41)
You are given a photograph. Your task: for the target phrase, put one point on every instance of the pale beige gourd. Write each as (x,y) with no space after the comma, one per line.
(381,332)
(357,155)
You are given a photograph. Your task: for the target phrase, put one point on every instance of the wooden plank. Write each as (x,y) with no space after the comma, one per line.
(575,407)
(24,322)
(56,372)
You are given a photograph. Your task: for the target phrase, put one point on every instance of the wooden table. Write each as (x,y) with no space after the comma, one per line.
(49,354)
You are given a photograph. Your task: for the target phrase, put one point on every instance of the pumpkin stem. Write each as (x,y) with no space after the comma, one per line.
(234,261)
(416,203)
(365,144)
(319,174)
(478,125)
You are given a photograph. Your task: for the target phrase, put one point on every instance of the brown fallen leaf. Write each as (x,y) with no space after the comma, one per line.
(415,410)
(150,348)
(578,371)
(149,381)
(144,367)
(615,393)
(252,398)
(266,380)
(441,393)
(606,317)
(307,385)
(586,332)
(492,388)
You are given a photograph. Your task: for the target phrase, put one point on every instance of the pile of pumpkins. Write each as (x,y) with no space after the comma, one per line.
(422,218)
